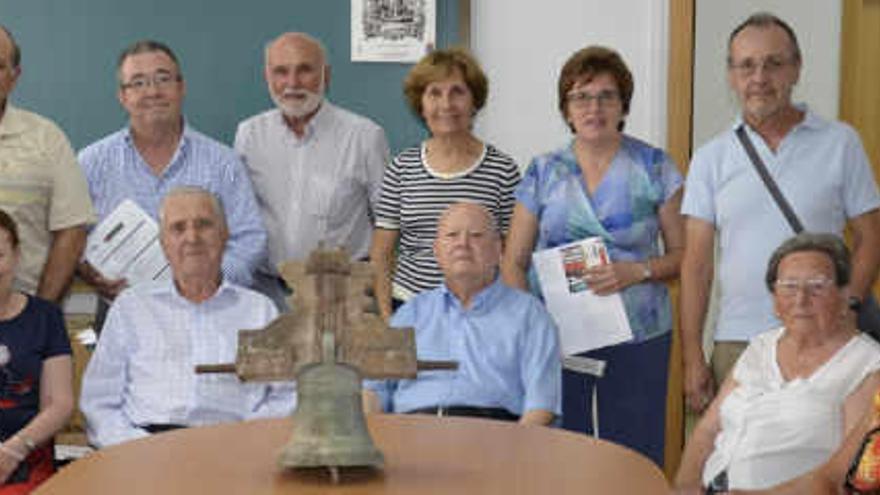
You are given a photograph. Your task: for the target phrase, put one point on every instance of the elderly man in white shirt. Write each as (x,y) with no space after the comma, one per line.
(141,378)
(316,168)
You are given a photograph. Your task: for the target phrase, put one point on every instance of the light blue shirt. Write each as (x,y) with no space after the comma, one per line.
(506,346)
(115,171)
(143,368)
(823,172)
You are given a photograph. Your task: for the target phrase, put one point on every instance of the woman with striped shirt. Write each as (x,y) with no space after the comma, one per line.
(446,89)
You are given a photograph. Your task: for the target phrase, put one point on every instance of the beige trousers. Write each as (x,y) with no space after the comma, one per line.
(724,356)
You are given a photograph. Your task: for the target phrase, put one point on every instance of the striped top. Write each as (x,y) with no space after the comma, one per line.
(414,196)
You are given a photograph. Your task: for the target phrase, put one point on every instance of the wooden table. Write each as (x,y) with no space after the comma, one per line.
(423,454)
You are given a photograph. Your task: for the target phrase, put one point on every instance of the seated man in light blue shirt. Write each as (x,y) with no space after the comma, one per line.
(503,339)
(141,378)
(159,151)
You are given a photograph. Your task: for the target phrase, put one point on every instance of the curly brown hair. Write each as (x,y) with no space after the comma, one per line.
(439,65)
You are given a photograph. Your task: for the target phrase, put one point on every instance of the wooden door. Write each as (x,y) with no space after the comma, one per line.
(679,123)
(860,76)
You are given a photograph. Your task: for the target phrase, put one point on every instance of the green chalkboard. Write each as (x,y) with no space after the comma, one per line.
(69,51)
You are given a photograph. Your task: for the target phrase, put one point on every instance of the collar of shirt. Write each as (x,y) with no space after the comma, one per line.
(481,303)
(11,123)
(182,146)
(169,288)
(810,121)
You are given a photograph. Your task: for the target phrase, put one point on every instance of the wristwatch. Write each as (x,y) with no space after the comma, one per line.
(854,303)
(646,271)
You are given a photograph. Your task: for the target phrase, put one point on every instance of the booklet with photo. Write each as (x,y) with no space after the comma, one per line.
(586,321)
(126,245)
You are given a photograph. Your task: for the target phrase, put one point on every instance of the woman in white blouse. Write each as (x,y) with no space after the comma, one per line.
(797,390)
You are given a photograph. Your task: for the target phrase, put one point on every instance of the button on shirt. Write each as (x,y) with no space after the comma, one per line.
(115,171)
(142,371)
(506,346)
(320,187)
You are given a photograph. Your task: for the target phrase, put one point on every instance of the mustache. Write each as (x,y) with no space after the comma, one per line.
(297,93)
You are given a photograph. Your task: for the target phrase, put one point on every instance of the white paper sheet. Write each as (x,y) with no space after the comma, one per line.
(126,245)
(401,31)
(586,321)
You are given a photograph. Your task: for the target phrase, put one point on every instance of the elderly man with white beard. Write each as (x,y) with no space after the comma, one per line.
(316,168)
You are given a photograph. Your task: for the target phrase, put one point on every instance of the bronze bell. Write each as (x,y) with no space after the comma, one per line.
(329,427)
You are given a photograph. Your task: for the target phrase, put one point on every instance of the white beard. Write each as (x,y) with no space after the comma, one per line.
(307,102)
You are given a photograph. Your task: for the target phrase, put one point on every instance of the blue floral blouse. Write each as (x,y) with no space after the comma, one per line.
(623,210)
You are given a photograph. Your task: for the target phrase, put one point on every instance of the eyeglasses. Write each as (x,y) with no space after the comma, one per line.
(582,99)
(770,65)
(160,80)
(814,287)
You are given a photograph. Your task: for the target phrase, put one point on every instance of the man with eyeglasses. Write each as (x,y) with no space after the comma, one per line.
(316,167)
(820,168)
(159,151)
(41,187)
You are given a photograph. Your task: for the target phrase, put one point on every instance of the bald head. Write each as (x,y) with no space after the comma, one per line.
(296,41)
(467,248)
(474,210)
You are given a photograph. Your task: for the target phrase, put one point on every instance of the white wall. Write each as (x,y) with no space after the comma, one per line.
(522,45)
(817,25)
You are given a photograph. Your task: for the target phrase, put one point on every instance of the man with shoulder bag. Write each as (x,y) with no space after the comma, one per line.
(779,168)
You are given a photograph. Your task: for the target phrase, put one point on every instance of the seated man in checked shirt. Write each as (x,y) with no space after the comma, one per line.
(141,378)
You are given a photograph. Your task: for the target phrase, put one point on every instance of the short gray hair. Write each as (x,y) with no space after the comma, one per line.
(765,20)
(145,46)
(828,244)
(216,204)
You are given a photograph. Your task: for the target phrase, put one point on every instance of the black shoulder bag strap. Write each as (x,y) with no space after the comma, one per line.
(869,311)
(781,202)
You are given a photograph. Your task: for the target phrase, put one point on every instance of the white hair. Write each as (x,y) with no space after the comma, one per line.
(216,204)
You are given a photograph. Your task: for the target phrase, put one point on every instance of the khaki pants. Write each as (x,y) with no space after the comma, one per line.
(724,356)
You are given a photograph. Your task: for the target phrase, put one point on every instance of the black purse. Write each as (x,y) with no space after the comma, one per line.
(869,311)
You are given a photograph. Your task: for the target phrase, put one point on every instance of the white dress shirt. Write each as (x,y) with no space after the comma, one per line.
(320,187)
(142,371)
